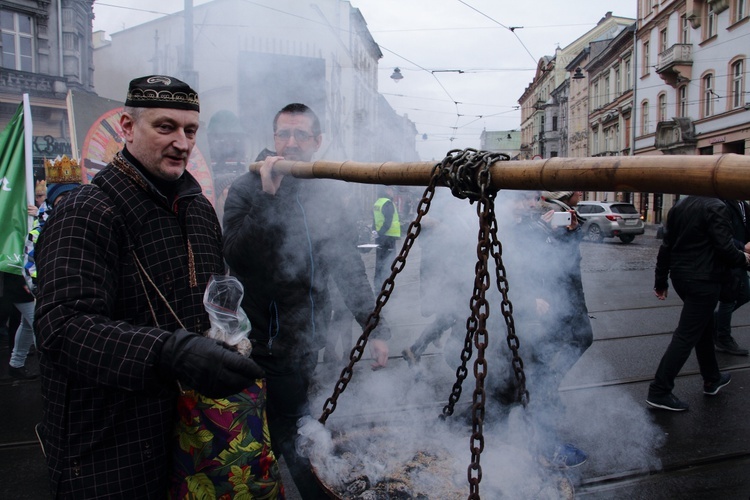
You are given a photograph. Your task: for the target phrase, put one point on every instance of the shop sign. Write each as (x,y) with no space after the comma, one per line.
(49,147)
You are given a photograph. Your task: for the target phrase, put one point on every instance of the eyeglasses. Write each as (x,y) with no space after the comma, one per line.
(299,135)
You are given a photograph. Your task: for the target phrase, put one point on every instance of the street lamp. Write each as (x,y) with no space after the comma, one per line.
(396,76)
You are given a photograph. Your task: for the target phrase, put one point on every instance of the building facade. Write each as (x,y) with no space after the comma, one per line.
(692,91)
(578,107)
(501,141)
(46,51)
(252,58)
(538,105)
(674,82)
(610,89)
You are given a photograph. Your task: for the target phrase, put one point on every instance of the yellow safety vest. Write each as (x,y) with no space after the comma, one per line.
(395,229)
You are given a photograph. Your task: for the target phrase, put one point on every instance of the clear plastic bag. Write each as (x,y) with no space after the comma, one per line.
(229,323)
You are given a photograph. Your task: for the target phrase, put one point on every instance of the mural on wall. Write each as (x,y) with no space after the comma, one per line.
(97,120)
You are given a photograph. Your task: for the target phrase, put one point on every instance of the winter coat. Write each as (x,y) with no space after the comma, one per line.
(109,412)
(740,222)
(283,248)
(697,243)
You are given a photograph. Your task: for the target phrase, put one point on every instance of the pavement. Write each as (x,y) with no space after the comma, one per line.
(634,452)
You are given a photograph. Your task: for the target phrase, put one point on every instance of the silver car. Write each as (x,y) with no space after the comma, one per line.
(610,220)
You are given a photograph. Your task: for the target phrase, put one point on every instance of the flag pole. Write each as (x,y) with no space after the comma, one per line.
(28,135)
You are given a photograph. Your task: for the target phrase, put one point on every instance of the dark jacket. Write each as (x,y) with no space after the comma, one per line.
(284,248)
(13,288)
(108,411)
(697,243)
(740,220)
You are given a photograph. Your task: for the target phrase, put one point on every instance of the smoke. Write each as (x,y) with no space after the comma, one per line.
(387,418)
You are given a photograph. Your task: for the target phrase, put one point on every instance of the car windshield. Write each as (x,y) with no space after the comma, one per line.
(624,208)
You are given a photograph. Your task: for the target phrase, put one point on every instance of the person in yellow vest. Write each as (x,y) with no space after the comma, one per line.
(386,229)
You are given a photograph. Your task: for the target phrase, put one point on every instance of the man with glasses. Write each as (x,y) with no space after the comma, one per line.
(284,238)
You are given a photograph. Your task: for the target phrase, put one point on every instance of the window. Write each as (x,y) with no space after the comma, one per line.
(646,56)
(608,140)
(595,142)
(710,21)
(616,138)
(595,95)
(18,40)
(662,107)
(683,101)
(645,129)
(685,29)
(607,96)
(740,10)
(663,40)
(708,95)
(554,123)
(628,75)
(738,84)
(618,83)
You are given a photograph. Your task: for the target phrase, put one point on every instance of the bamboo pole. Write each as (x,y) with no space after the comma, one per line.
(722,176)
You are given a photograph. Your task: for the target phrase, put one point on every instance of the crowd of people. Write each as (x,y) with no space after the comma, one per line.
(139,401)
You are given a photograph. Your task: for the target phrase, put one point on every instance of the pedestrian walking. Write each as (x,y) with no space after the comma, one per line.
(697,254)
(736,293)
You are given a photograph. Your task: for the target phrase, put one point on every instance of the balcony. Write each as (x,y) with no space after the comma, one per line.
(35,84)
(606,153)
(676,136)
(675,65)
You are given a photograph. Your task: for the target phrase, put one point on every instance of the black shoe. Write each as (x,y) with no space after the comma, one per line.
(712,389)
(668,402)
(21,373)
(729,346)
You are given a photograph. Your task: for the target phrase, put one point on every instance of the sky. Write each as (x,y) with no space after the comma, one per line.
(465,63)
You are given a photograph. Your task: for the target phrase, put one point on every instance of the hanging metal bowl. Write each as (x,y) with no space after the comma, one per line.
(379,461)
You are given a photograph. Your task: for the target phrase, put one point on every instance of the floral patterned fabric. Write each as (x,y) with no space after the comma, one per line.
(223,448)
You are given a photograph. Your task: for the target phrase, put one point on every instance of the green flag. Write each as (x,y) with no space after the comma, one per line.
(13,202)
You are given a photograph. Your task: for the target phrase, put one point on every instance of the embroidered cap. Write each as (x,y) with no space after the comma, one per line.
(158,91)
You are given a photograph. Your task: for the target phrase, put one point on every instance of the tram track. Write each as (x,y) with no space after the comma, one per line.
(604,485)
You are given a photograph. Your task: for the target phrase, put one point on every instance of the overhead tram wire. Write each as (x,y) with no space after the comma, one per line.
(432,73)
(133,8)
(512,29)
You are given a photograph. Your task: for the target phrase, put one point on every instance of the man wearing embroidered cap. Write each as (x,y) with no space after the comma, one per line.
(123,264)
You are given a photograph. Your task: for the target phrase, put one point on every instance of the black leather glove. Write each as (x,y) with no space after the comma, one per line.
(206,365)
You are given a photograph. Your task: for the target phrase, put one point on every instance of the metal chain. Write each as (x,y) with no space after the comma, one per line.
(501,277)
(467,174)
(480,311)
(385,292)
(459,172)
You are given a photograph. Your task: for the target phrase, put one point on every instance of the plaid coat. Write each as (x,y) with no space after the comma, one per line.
(108,411)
